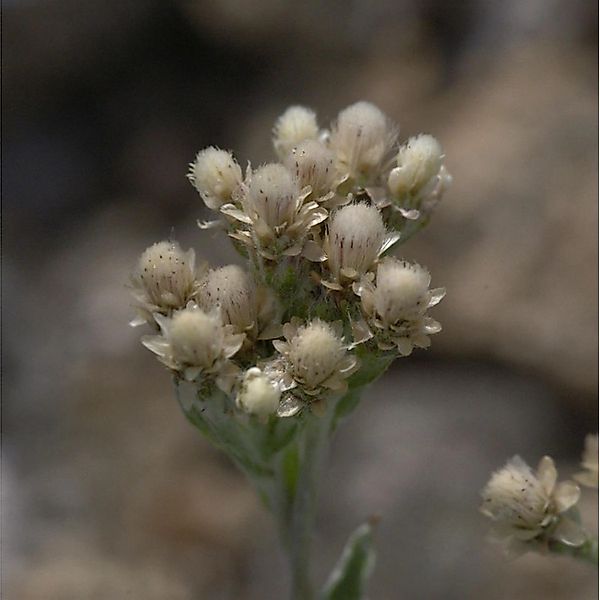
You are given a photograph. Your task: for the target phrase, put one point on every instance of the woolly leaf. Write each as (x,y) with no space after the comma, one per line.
(349,577)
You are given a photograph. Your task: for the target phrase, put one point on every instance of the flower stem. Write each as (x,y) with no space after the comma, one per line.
(298,514)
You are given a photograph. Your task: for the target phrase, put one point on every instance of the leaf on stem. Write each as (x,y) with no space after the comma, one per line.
(349,577)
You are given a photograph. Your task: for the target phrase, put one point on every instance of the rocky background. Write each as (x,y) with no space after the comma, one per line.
(107,492)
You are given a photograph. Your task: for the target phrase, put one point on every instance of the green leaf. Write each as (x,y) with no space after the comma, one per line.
(229,436)
(372,366)
(349,577)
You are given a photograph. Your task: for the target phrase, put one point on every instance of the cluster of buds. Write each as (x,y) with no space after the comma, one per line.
(283,336)
(530,511)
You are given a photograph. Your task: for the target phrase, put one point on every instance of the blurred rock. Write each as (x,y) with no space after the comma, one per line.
(515,240)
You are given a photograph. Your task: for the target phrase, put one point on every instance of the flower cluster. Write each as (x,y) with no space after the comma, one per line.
(530,509)
(315,227)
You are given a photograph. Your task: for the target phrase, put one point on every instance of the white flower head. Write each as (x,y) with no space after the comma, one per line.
(523,504)
(216,175)
(273,194)
(419,160)
(402,291)
(589,461)
(165,280)
(362,138)
(275,218)
(395,305)
(420,179)
(232,290)
(312,163)
(316,356)
(195,342)
(295,125)
(258,395)
(196,338)
(356,238)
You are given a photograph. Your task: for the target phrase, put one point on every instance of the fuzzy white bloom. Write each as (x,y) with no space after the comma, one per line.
(315,352)
(231,289)
(419,160)
(196,338)
(312,163)
(216,175)
(589,461)
(402,291)
(362,138)
(275,219)
(395,305)
(295,125)
(165,280)
(258,394)
(273,194)
(356,238)
(316,356)
(195,342)
(523,504)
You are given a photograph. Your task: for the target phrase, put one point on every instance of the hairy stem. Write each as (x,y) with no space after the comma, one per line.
(298,514)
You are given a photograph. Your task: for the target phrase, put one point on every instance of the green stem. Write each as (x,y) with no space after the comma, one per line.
(299,510)
(588,552)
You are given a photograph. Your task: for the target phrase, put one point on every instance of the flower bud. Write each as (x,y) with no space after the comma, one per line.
(258,395)
(361,138)
(196,338)
(273,194)
(295,125)
(194,342)
(402,291)
(515,494)
(312,164)
(231,289)
(356,235)
(395,306)
(419,160)
(315,353)
(165,277)
(523,503)
(216,175)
